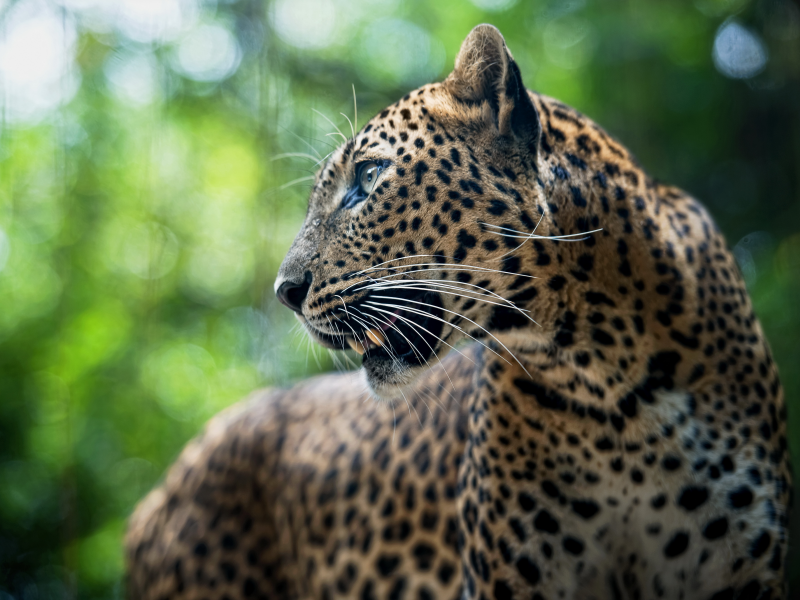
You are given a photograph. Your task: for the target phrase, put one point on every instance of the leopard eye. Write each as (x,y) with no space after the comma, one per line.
(367,176)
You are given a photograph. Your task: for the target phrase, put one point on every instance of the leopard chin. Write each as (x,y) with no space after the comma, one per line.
(408,338)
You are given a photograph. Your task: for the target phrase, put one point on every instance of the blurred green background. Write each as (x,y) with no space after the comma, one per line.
(155,158)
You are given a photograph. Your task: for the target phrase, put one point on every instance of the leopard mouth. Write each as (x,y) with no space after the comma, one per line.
(388,327)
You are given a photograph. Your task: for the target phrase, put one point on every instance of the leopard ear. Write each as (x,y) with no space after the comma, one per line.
(486,71)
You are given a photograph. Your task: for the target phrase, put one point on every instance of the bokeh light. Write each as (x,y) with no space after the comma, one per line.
(208,53)
(739,52)
(396,52)
(305,23)
(132,77)
(36,61)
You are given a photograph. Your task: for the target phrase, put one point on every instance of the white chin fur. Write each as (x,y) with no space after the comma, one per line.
(393,385)
(386,382)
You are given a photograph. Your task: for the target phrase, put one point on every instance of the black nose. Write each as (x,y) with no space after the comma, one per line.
(292,293)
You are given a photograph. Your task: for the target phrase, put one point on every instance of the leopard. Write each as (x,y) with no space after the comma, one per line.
(564,391)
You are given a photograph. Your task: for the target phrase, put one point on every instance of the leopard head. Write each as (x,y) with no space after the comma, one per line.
(423,229)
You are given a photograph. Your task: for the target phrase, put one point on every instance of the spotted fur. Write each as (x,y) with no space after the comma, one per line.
(630,443)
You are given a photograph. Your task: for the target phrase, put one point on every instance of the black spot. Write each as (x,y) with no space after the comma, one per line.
(740,497)
(677,545)
(228,571)
(577,197)
(564,338)
(604,444)
(573,545)
(550,488)
(419,170)
(249,588)
(585,508)
(518,529)
(528,569)
(760,545)
(670,462)
(692,497)
(687,342)
(511,264)
(716,529)
(599,298)
(726,594)
(752,591)
(424,554)
(526,502)
(444,177)
(602,337)
(387,564)
(505,317)
(556,282)
(465,239)
(445,573)
(544,521)
(664,363)
(545,397)
(627,405)
(497,207)
(524,296)
(502,591)
(775,562)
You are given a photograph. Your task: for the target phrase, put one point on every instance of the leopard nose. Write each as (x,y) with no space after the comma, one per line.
(292,293)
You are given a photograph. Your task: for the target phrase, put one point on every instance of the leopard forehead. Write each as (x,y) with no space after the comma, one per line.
(440,182)
(426,130)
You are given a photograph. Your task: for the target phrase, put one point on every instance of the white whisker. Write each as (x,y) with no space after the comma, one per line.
(418,326)
(355,109)
(525,241)
(430,287)
(338,132)
(522,234)
(393,326)
(296,181)
(430,316)
(447,285)
(457,327)
(306,142)
(452,266)
(352,130)
(295,155)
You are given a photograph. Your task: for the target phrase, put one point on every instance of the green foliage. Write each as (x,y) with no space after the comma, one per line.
(143,215)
